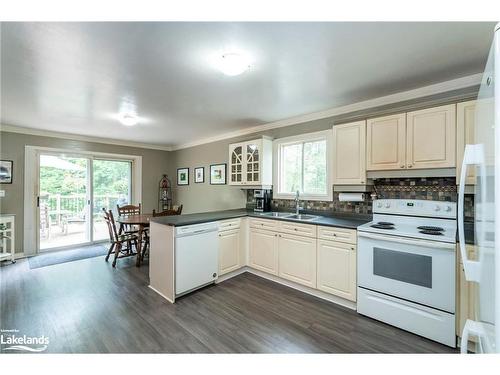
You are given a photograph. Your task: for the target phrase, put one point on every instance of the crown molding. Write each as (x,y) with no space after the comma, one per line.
(434,89)
(77,137)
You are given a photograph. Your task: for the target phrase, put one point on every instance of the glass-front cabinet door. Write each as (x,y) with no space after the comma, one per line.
(236,164)
(252,156)
(250,162)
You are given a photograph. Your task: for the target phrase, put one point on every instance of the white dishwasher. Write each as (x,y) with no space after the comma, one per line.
(196,256)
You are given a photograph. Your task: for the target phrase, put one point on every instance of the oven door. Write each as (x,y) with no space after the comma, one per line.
(416,270)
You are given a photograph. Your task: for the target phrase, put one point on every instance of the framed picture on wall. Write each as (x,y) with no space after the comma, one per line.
(183,176)
(218,174)
(6,171)
(199,175)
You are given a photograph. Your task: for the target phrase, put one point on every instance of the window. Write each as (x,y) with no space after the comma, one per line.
(303,163)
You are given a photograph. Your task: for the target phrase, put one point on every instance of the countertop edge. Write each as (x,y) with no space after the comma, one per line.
(343,222)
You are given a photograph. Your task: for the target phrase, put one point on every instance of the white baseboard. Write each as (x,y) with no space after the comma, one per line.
(314,292)
(161,294)
(230,275)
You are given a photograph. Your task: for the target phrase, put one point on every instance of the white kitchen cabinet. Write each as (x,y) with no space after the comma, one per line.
(337,234)
(466,112)
(431,137)
(297,229)
(386,143)
(349,148)
(229,251)
(263,250)
(297,259)
(250,163)
(337,268)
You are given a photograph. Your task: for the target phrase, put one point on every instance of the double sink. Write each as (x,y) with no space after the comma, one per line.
(288,215)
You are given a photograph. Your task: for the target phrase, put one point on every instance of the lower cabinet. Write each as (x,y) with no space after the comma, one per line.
(263,250)
(337,268)
(229,251)
(297,259)
(325,264)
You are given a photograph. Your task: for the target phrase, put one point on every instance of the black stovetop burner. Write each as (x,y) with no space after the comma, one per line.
(383,225)
(432,232)
(429,228)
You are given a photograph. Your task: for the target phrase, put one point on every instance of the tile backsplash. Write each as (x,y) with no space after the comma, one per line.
(436,188)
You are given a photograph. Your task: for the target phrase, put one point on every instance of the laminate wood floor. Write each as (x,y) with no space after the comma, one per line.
(88,307)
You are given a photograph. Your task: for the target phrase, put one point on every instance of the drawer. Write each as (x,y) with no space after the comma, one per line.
(337,234)
(307,230)
(264,224)
(424,321)
(229,224)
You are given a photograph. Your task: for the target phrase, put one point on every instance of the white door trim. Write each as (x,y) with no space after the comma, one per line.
(31,170)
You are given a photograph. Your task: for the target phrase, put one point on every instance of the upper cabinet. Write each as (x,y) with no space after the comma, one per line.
(250,163)
(349,162)
(430,138)
(386,146)
(421,139)
(466,112)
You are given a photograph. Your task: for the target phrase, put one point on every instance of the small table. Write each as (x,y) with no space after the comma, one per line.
(142,221)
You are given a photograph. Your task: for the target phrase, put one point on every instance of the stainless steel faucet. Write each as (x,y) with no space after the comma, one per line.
(297,203)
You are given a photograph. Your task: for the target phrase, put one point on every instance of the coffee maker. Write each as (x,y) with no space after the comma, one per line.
(263,199)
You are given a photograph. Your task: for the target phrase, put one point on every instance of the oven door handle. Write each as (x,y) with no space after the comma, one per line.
(415,242)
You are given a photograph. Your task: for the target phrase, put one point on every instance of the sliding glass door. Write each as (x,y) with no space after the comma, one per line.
(63,201)
(73,190)
(112,180)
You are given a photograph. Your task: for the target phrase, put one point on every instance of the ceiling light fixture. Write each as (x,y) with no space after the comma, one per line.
(233,64)
(128,119)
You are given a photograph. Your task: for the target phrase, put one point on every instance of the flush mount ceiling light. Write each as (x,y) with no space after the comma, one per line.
(233,64)
(128,119)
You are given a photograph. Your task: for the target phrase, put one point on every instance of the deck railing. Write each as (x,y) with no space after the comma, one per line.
(75,205)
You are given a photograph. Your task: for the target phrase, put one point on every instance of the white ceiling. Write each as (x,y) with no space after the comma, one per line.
(72,77)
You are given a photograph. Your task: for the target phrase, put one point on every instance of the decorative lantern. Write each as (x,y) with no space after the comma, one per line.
(165,194)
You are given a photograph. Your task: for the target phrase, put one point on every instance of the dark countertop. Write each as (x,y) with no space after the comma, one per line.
(350,221)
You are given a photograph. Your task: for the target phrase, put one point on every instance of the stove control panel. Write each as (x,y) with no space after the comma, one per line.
(415,207)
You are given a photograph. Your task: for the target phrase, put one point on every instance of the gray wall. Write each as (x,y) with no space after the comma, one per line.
(154,164)
(205,197)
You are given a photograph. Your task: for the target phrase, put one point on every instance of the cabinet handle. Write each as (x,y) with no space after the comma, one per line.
(294,228)
(352,248)
(402,166)
(410,165)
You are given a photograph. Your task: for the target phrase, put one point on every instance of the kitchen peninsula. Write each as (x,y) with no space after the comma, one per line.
(223,244)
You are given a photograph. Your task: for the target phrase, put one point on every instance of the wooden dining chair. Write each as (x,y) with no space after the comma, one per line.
(121,244)
(127,210)
(176,210)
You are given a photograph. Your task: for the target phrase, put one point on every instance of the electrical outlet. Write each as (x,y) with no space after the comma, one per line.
(2,193)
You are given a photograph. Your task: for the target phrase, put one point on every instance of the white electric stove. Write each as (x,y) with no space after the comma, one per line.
(406,266)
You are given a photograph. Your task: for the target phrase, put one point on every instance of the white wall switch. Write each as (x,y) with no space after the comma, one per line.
(2,193)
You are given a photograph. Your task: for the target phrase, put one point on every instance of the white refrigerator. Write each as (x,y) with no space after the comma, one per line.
(484,157)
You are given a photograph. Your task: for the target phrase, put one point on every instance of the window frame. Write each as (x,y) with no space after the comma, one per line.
(326,135)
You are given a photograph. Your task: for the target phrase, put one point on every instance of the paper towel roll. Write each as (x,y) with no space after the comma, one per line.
(351,197)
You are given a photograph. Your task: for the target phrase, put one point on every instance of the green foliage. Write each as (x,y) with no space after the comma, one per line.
(110,177)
